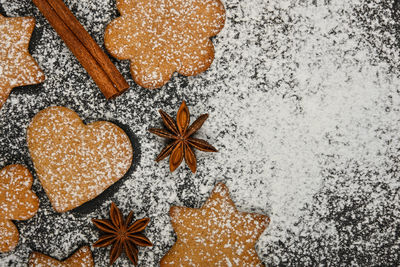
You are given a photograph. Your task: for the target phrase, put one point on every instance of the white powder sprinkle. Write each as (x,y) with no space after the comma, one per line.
(304,109)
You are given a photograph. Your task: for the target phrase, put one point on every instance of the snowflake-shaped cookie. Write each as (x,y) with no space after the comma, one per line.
(160,37)
(17,67)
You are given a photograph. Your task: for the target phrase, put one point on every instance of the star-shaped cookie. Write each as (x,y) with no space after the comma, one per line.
(83,257)
(216,234)
(17,67)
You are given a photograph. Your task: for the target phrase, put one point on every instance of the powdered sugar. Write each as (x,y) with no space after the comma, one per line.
(303,105)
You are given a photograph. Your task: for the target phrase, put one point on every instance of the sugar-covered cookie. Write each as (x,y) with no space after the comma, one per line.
(17,202)
(76,162)
(160,37)
(17,67)
(216,234)
(83,257)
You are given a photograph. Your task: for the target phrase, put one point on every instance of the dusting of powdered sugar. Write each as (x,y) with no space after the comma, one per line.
(303,103)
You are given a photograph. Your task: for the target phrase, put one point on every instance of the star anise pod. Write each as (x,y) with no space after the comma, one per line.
(121,235)
(180,133)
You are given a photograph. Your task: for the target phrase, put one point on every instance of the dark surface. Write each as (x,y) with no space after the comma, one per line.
(333,196)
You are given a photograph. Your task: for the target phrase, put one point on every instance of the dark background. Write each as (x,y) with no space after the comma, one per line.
(351,218)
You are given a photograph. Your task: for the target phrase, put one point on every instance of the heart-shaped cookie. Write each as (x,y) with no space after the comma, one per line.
(76,162)
(17,202)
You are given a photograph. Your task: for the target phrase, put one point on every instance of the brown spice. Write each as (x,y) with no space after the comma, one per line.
(180,133)
(82,45)
(121,235)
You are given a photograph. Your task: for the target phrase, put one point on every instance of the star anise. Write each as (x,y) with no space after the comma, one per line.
(121,235)
(180,133)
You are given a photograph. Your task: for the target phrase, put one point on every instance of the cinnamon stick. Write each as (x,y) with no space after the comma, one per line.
(97,64)
(76,27)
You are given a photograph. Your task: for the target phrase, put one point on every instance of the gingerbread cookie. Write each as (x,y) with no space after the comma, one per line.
(75,162)
(160,37)
(17,67)
(17,202)
(83,257)
(216,234)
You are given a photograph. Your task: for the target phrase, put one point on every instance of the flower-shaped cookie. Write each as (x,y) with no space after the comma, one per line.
(17,202)
(17,67)
(160,37)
